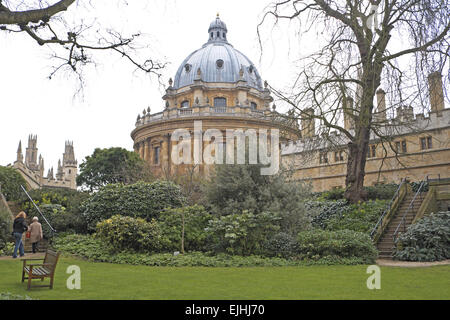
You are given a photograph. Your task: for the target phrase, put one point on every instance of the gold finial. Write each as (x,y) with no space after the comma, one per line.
(217,14)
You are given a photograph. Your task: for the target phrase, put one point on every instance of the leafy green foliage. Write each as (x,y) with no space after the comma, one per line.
(142,199)
(318,244)
(322,211)
(127,233)
(10,181)
(7,249)
(196,219)
(5,226)
(426,240)
(379,191)
(361,217)
(282,245)
(113,165)
(235,188)
(339,215)
(93,249)
(61,207)
(242,233)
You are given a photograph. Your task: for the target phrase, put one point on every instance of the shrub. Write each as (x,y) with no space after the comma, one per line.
(334,194)
(282,245)
(196,219)
(127,233)
(340,244)
(7,249)
(235,188)
(10,182)
(243,233)
(322,211)
(339,215)
(361,217)
(426,240)
(85,246)
(144,200)
(61,207)
(381,191)
(5,225)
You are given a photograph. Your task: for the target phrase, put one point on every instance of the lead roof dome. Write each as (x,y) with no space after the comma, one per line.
(218,61)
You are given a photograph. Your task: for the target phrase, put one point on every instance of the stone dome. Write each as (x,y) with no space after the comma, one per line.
(217,61)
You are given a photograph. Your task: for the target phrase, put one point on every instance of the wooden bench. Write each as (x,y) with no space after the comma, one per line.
(43,270)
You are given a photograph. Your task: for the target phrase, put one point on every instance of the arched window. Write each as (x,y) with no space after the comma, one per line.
(218,34)
(185,104)
(212,35)
(220,102)
(253,105)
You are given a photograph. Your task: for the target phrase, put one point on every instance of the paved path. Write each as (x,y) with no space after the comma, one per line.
(26,256)
(395,263)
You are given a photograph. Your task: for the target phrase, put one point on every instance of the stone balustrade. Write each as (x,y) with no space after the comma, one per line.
(201,111)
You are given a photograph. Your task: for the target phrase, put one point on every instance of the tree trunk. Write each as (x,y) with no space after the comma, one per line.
(356,164)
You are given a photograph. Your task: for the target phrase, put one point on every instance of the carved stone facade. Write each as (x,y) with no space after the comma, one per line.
(418,146)
(220,86)
(32,169)
(216,85)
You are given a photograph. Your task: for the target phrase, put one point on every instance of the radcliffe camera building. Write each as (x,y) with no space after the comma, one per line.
(217,85)
(220,86)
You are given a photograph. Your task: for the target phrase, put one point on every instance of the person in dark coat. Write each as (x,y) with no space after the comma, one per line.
(19,227)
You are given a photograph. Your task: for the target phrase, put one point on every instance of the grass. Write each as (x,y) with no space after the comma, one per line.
(117,281)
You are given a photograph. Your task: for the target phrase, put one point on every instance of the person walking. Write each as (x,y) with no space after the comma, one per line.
(35,234)
(19,227)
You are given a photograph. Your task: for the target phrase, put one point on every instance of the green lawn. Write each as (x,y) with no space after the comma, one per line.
(115,281)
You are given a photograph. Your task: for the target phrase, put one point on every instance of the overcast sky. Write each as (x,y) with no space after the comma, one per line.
(114,94)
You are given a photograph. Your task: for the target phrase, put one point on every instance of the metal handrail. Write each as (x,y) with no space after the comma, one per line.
(411,205)
(388,208)
(37,208)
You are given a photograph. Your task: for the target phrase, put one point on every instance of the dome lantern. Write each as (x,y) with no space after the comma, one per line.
(217,30)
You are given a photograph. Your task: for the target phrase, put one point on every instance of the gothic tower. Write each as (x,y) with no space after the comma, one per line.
(31,153)
(69,165)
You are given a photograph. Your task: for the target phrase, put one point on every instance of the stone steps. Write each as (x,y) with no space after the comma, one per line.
(386,244)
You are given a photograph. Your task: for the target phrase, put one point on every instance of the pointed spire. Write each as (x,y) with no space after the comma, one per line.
(19,152)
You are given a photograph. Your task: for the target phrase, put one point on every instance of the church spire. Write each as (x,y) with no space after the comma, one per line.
(19,152)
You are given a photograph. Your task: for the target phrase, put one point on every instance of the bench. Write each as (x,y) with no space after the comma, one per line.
(43,270)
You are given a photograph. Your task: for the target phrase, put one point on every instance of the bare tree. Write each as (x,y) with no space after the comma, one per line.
(73,44)
(361,54)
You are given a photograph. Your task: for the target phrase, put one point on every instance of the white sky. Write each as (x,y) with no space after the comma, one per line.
(104,116)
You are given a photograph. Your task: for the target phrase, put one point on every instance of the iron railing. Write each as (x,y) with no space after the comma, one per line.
(388,208)
(410,207)
(37,208)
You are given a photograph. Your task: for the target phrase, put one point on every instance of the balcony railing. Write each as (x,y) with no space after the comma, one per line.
(235,111)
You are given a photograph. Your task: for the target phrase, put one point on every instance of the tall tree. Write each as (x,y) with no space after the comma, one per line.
(113,165)
(73,38)
(360,52)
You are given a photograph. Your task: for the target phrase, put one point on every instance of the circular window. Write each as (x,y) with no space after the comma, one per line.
(187,67)
(219,63)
